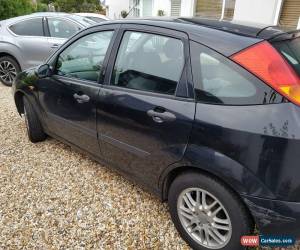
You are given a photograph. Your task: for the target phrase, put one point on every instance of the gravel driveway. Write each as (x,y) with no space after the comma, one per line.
(52,197)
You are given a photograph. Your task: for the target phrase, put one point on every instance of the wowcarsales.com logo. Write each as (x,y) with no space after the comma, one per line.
(267,241)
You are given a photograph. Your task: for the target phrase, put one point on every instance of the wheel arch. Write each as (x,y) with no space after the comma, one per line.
(2,54)
(229,171)
(18,96)
(186,168)
(178,170)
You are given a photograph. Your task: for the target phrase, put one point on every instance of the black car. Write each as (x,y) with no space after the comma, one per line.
(205,114)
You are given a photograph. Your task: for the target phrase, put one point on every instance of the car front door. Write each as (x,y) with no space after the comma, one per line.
(145,114)
(69,96)
(58,30)
(30,39)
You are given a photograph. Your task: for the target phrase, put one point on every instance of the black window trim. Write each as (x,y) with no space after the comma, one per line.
(26,19)
(53,60)
(185,78)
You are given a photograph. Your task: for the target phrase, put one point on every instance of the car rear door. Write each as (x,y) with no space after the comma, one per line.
(145,109)
(31,40)
(69,96)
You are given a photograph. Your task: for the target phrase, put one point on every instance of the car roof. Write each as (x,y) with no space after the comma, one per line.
(223,42)
(250,29)
(39,14)
(87,14)
(226,37)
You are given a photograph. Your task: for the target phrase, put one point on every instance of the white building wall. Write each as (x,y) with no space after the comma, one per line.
(115,8)
(147,7)
(164,5)
(187,8)
(258,11)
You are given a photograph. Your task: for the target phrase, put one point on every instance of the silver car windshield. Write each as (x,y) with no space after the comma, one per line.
(83,20)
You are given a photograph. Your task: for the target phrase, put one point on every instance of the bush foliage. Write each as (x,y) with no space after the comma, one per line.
(76,5)
(13,8)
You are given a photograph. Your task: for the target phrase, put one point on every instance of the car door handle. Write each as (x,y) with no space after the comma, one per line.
(161,116)
(81,98)
(55,46)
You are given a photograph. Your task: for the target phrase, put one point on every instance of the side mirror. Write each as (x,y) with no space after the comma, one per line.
(44,71)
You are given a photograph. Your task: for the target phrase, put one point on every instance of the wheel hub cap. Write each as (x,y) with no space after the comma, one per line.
(204,218)
(8,71)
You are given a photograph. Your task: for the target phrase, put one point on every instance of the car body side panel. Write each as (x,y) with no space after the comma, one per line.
(275,217)
(7,47)
(264,139)
(34,50)
(209,161)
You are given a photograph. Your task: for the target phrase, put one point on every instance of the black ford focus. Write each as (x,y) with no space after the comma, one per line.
(205,114)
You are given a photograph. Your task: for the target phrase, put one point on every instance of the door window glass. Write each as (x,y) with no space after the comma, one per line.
(84,58)
(62,28)
(149,62)
(30,27)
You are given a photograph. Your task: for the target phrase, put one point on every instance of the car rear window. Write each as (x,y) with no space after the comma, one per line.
(290,49)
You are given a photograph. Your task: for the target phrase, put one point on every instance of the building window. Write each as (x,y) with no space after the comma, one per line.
(209,8)
(215,9)
(147,8)
(135,8)
(290,13)
(175,7)
(229,9)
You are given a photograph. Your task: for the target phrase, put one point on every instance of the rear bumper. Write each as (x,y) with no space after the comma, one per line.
(274,217)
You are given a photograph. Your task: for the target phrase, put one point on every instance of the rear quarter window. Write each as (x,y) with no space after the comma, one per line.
(218,80)
(30,27)
(290,50)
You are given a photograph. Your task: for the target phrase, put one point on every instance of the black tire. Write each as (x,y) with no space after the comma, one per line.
(34,128)
(14,64)
(241,222)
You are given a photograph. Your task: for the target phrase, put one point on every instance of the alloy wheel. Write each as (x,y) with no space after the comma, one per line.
(8,72)
(204,218)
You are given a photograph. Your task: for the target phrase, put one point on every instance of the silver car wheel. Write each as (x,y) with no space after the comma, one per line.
(204,218)
(8,71)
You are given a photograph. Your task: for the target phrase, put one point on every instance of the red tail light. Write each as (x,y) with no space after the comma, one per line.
(266,63)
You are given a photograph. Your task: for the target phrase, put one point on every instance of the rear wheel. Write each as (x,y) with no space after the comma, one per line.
(9,70)
(34,128)
(206,213)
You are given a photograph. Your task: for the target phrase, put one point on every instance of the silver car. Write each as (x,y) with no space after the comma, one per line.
(95,17)
(27,41)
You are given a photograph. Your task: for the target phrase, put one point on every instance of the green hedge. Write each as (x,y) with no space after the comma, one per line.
(12,8)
